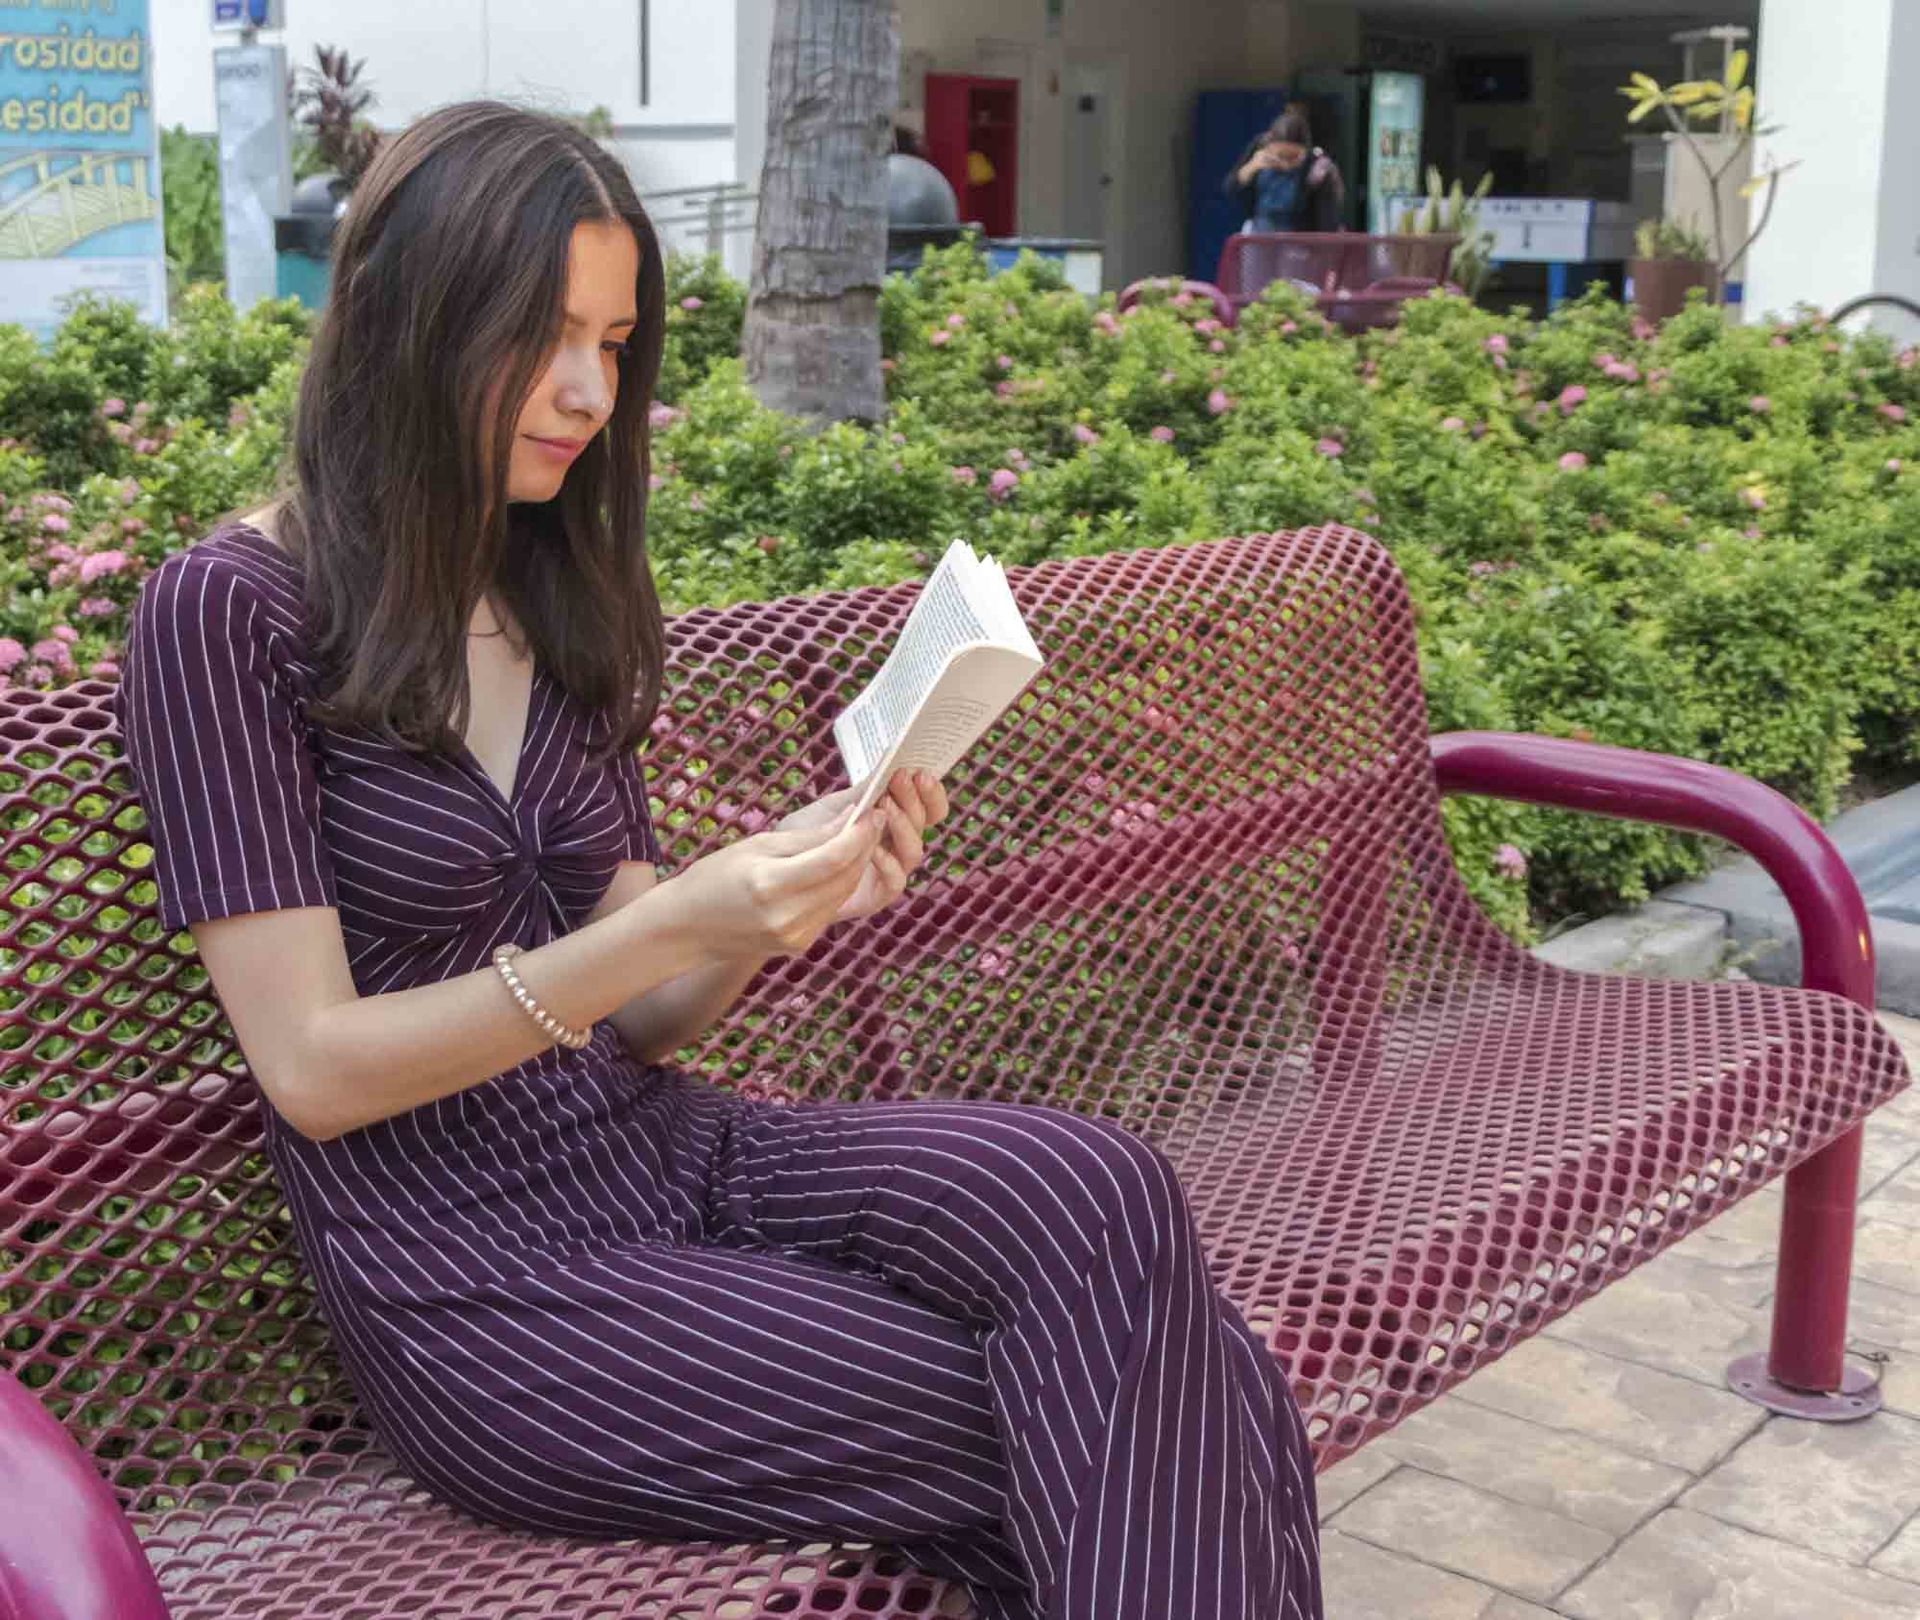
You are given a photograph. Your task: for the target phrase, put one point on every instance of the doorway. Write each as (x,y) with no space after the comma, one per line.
(1091,179)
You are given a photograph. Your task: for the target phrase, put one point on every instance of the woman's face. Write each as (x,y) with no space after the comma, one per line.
(574,396)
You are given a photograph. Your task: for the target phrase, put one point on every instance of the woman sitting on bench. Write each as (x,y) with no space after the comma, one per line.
(385,733)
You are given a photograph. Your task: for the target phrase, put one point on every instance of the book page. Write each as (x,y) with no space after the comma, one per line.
(942,622)
(963,655)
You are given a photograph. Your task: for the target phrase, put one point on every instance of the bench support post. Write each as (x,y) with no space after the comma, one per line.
(1803,1372)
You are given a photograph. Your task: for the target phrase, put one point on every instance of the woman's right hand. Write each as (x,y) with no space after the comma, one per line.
(775,893)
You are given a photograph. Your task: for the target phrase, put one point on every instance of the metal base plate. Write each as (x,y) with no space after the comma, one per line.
(1857,1397)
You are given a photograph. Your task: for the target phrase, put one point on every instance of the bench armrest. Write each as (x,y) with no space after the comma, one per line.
(66,1551)
(1836,939)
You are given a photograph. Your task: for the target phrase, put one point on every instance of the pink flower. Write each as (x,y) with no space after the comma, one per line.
(1779,340)
(1161,435)
(101,565)
(1751,531)
(1288,328)
(1017,457)
(1085,434)
(1572,461)
(696,503)
(1218,402)
(965,475)
(654,481)
(1105,322)
(1332,449)
(1182,299)
(889,365)
(54,652)
(113,407)
(1894,413)
(12,655)
(956,320)
(1208,326)
(1497,344)
(1893,464)
(1908,359)
(661,416)
(690,302)
(1218,346)
(66,633)
(97,607)
(1620,371)
(1755,497)
(1005,362)
(1169,377)
(1003,389)
(105,668)
(1003,483)
(1452,424)
(1759,404)
(940,338)
(1572,397)
(1510,862)
(145,447)
(54,523)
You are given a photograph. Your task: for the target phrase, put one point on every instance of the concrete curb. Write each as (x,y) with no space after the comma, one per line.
(1660,940)
(1735,916)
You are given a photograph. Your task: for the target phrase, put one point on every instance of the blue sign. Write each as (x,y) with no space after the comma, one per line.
(246,14)
(79,160)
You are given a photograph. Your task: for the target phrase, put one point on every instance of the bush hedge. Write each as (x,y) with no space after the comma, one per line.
(1703,540)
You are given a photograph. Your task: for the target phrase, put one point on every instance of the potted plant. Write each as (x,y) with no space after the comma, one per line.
(337,143)
(1455,212)
(1714,121)
(1669,261)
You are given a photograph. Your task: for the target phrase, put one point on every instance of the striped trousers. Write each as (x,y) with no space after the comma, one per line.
(981,1333)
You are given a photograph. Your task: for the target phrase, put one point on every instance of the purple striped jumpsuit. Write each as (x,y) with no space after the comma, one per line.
(597,1297)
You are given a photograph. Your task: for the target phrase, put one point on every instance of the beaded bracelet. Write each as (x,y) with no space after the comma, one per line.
(573,1039)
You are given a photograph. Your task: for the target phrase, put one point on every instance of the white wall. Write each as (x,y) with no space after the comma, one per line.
(1896,262)
(1838,78)
(1160,54)
(564,55)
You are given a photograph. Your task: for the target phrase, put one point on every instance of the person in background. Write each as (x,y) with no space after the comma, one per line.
(1283,182)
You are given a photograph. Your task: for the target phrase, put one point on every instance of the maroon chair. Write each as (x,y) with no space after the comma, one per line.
(1195,883)
(1359,280)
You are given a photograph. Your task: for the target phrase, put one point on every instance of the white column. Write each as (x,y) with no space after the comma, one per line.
(1837,77)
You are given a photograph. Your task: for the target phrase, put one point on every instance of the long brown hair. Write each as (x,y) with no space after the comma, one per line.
(448,292)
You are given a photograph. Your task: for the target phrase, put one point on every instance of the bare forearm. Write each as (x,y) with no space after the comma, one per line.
(376,1056)
(663,1020)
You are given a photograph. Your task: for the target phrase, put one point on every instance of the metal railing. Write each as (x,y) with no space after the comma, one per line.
(701,218)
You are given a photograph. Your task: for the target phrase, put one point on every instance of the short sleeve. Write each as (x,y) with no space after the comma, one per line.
(642,843)
(216,743)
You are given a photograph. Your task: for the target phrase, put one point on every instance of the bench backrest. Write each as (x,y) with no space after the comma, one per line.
(1198,854)
(1345,261)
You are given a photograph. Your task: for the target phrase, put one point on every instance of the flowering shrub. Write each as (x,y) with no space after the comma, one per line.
(1704,540)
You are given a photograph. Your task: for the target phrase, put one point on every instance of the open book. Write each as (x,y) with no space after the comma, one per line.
(962,658)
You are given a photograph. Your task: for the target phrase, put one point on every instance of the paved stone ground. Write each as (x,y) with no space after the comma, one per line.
(1603,1470)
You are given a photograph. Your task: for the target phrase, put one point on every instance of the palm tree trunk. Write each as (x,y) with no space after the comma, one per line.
(812,339)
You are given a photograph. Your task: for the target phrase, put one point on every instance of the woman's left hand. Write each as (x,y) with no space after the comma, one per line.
(913,802)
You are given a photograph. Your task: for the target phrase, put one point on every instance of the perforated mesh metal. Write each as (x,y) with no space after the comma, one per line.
(1195,884)
(1329,260)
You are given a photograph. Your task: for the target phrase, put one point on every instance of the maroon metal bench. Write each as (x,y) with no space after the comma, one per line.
(1359,280)
(1195,884)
